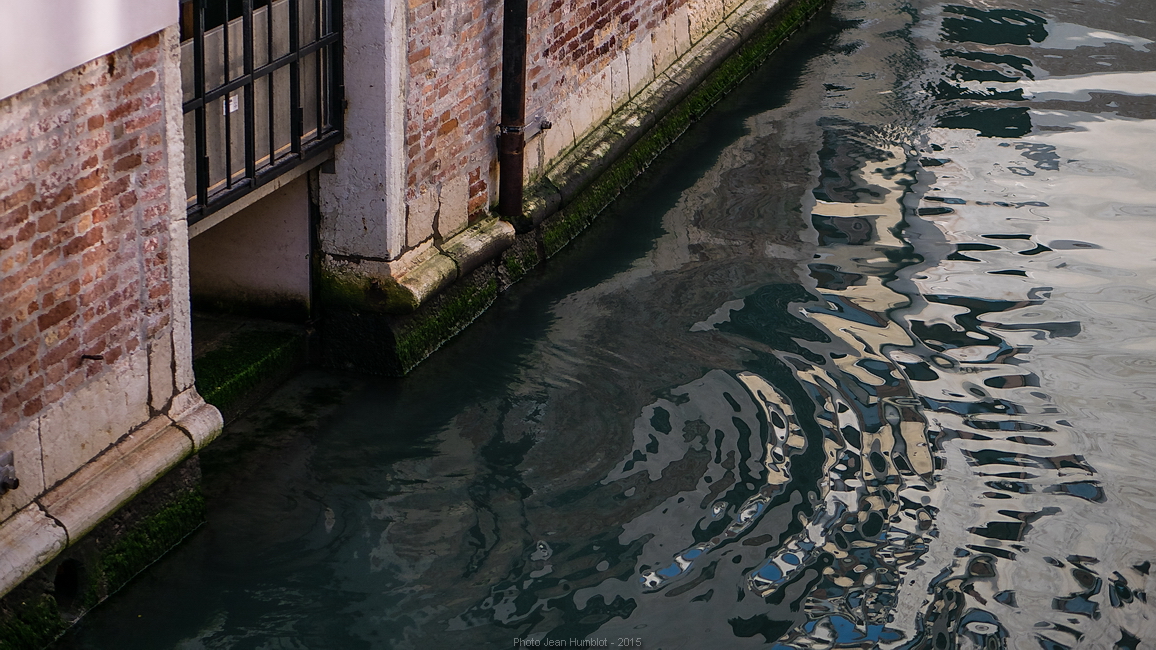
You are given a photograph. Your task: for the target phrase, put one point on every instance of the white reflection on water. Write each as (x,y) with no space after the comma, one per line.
(1042,497)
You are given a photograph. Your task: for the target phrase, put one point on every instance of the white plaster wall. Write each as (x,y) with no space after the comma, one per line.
(260,254)
(41,39)
(363,204)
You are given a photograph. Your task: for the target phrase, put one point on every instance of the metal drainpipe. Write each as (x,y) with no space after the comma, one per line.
(512,141)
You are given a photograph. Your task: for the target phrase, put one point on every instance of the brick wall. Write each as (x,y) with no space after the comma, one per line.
(84,226)
(455,56)
(585,57)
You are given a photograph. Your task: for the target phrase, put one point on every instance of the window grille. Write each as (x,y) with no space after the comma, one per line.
(262,92)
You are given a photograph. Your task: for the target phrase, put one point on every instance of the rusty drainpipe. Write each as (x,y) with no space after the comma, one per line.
(512,138)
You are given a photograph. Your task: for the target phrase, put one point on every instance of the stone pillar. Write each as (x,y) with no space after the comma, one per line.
(363,203)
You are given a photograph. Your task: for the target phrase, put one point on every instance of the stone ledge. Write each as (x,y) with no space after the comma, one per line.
(30,539)
(59,518)
(354,284)
(111,479)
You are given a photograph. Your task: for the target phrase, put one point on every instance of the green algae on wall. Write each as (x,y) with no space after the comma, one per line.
(227,374)
(442,318)
(391,344)
(31,625)
(42,609)
(143,544)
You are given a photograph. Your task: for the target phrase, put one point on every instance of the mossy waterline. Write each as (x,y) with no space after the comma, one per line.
(358,306)
(229,373)
(104,562)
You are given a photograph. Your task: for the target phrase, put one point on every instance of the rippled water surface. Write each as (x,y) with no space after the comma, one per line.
(868,360)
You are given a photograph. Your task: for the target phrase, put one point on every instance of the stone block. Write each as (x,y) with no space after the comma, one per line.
(533,157)
(559,139)
(703,16)
(161,370)
(751,17)
(592,104)
(665,45)
(680,23)
(640,63)
(426,279)
(482,242)
(29,539)
(420,215)
(453,210)
(110,480)
(202,424)
(731,5)
(80,426)
(182,330)
(619,80)
(25,444)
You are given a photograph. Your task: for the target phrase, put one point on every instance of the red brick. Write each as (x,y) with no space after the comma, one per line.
(56,314)
(81,242)
(10,219)
(112,189)
(79,207)
(101,327)
(448,126)
(146,43)
(66,349)
(32,406)
(94,179)
(21,196)
(139,83)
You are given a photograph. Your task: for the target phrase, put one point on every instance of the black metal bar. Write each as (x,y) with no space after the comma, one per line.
(250,105)
(512,139)
(264,70)
(295,78)
(317,64)
(227,114)
(200,211)
(327,97)
(336,69)
(202,149)
(269,40)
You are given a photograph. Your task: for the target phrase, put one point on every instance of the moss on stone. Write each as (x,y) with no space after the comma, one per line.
(515,269)
(31,625)
(144,544)
(440,320)
(35,623)
(226,374)
(341,289)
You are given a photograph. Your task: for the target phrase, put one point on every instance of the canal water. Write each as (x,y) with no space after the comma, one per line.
(868,359)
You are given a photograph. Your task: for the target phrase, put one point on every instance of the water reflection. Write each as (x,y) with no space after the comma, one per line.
(883,380)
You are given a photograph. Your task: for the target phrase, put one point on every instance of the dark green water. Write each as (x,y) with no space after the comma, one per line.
(867,360)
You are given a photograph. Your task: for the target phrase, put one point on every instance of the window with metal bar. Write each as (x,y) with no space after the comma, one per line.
(261,82)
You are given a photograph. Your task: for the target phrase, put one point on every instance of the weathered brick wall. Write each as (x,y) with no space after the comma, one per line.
(454,55)
(84,227)
(585,57)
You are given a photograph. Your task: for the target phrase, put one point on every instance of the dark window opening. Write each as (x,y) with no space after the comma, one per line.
(262,90)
